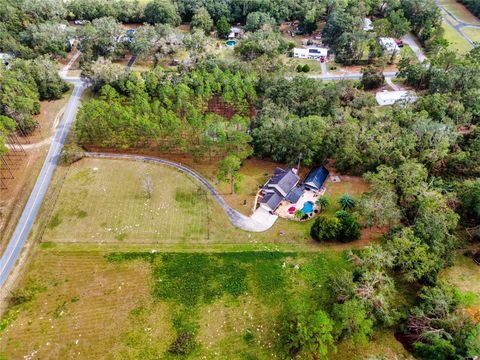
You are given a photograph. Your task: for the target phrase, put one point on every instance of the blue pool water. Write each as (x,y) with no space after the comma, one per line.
(230,43)
(307,207)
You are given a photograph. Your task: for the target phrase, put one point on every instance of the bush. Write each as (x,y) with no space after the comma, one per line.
(183,344)
(299,68)
(343,227)
(325,228)
(306,68)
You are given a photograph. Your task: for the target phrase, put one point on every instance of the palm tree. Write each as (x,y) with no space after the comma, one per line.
(299,214)
(347,202)
(322,202)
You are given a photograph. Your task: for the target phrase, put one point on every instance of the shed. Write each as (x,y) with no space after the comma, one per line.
(391,97)
(315,178)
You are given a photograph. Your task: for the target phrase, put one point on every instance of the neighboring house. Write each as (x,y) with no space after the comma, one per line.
(234,32)
(389,45)
(315,178)
(391,97)
(5,59)
(278,187)
(367,24)
(315,53)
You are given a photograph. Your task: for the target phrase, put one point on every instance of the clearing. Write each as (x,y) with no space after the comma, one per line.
(460,11)
(80,305)
(104,202)
(456,41)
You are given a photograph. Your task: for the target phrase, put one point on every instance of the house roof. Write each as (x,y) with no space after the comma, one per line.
(311,51)
(283,179)
(316,177)
(272,200)
(391,97)
(294,194)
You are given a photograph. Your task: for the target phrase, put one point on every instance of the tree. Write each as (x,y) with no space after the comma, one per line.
(399,25)
(470,201)
(299,214)
(412,257)
(349,229)
(47,38)
(346,202)
(223,27)
(322,202)
(147,186)
(102,72)
(162,12)
(44,9)
(257,19)
(228,169)
(309,334)
(103,37)
(262,42)
(352,323)
(202,20)
(372,77)
(325,228)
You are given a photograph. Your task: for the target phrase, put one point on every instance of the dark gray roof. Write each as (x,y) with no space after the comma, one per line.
(295,194)
(272,200)
(316,177)
(284,179)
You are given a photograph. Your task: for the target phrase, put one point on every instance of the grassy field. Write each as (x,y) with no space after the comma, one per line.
(460,11)
(456,42)
(102,202)
(91,305)
(472,33)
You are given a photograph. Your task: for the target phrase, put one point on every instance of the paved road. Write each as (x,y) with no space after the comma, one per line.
(460,24)
(24,225)
(237,219)
(417,50)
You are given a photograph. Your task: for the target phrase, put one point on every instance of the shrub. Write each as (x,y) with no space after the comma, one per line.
(299,68)
(325,228)
(306,68)
(183,344)
(349,228)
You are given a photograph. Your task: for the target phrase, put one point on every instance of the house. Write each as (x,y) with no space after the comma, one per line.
(391,97)
(278,187)
(315,53)
(367,24)
(389,45)
(234,32)
(315,178)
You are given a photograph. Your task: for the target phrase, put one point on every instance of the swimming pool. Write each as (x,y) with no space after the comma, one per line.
(307,207)
(230,43)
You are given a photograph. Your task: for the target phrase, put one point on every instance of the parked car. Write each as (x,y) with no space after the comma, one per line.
(80,22)
(399,43)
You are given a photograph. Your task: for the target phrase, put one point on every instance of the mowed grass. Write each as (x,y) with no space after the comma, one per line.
(93,305)
(460,11)
(102,203)
(106,201)
(456,41)
(472,33)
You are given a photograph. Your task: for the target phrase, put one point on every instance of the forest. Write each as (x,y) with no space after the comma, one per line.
(421,160)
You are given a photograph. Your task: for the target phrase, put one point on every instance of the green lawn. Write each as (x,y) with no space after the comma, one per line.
(460,11)
(456,42)
(472,33)
(133,305)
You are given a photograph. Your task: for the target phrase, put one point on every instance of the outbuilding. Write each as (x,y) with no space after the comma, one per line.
(391,97)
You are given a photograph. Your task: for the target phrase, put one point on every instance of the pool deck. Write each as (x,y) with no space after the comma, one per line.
(282,210)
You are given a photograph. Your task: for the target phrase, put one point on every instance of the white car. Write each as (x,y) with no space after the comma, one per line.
(80,22)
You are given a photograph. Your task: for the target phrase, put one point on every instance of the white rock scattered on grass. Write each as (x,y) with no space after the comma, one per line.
(296,267)
(77,341)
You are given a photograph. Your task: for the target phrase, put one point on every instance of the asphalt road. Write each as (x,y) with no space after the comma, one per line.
(24,225)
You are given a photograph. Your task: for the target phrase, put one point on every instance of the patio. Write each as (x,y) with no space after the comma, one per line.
(308,195)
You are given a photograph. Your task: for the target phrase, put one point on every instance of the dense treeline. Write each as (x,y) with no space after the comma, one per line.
(472,5)
(24,85)
(170,111)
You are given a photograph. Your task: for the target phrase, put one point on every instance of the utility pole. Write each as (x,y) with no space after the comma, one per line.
(300,157)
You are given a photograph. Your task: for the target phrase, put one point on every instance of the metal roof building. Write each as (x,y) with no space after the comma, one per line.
(391,97)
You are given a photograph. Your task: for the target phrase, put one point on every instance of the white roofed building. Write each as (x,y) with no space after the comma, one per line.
(315,53)
(389,45)
(367,24)
(391,97)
